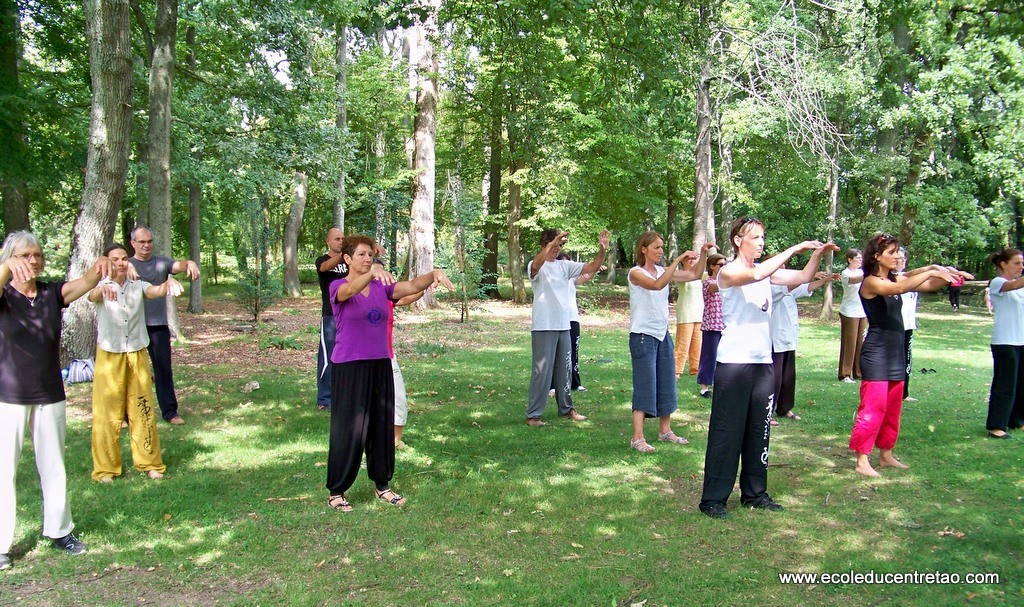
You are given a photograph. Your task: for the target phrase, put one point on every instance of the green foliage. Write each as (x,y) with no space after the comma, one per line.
(258,289)
(279,342)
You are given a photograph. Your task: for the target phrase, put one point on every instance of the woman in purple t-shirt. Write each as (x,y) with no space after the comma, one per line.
(362,385)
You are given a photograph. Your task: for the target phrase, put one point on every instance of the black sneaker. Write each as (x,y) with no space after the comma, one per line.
(714,510)
(5,562)
(70,544)
(765,503)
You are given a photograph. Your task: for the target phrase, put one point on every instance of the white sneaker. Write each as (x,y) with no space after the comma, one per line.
(581,389)
(551,393)
(849,380)
(910,399)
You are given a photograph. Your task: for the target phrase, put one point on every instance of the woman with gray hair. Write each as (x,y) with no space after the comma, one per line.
(31,391)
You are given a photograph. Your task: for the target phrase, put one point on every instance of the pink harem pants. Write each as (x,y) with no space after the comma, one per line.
(878,417)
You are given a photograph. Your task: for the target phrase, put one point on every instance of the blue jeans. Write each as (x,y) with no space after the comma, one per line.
(654,374)
(323,360)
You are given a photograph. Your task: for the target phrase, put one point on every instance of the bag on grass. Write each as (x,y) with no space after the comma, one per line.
(80,370)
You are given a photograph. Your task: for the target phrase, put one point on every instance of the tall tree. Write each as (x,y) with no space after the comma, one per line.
(421,222)
(195,199)
(291,236)
(14,165)
(110,69)
(341,112)
(158,139)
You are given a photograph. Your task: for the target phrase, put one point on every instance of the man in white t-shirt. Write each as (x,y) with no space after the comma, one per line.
(552,302)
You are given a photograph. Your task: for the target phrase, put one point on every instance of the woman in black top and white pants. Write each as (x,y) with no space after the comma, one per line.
(741,405)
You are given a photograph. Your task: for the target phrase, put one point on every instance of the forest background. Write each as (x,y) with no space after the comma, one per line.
(453,131)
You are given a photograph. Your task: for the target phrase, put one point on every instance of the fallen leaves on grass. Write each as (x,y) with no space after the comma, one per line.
(950,532)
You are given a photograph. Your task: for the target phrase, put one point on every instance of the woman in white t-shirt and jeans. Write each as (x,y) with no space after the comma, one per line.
(853,322)
(650,345)
(741,404)
(1006,399)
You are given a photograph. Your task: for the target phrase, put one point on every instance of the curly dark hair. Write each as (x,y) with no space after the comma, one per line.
(877,245)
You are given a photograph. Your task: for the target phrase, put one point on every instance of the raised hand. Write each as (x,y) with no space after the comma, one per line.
(604,239)
(708,246)
(103,267)
(21,270)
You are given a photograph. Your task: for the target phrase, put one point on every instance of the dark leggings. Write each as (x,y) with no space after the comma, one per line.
(954,297)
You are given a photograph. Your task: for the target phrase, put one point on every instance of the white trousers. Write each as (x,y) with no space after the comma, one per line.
(48,426)
(401,400)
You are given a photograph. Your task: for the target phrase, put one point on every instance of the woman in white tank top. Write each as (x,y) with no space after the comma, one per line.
(650,345)
(741,403)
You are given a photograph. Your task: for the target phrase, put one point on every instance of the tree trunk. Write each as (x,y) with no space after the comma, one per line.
(515,248)
(489,282)
(108,32)
(613,258)
(291,236)
(833,214)
(195,200)
(421,226)
(703,207)
(672,218)
(341,115)
(725,178)
(381,210)
(13,168)
(922,143)
(158,140)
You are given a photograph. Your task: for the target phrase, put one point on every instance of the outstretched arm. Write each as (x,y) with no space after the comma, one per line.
(696,272)
(421,283)
(169,287)
(74,289)
(189,267)
(930,280)
(642,279)
(795,278)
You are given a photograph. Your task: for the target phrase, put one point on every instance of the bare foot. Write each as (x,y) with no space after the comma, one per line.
(154,474)
(866,470)
(891,462)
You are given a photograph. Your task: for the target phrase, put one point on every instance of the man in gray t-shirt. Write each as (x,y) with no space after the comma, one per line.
(155,269)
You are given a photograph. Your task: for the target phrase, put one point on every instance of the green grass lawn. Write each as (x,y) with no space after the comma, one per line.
(503,514)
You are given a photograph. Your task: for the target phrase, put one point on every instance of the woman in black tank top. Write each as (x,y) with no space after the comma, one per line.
(883,358)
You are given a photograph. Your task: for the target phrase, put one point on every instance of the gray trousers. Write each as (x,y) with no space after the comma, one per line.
(552,357)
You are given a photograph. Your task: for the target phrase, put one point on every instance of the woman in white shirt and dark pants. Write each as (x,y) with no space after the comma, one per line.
(1006,400)
(741,404)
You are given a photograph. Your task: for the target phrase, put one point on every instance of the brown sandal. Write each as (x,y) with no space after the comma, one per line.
(338,502)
